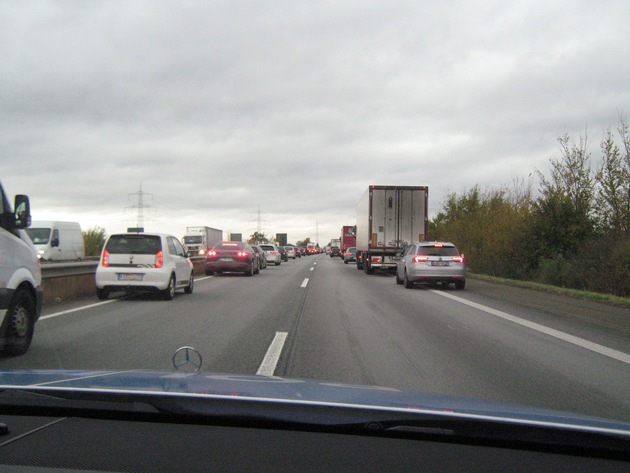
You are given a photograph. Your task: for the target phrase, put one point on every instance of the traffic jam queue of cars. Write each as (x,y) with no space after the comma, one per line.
(159,263)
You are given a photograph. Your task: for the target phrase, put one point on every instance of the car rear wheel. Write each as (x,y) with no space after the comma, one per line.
(408,283)
(102,294)
(169,293)
(459,285)
(209,273)
(398,280)
(20,320)
(250,271)
(191,284)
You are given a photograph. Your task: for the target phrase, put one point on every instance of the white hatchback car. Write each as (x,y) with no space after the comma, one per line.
(144,262)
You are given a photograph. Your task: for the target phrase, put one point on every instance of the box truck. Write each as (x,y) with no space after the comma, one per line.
(57,241)
(388,219)
(348,239)
(198,240)
(21,291)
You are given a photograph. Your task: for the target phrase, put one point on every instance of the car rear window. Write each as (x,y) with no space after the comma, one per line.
(267,247)
(438,251)
(230,245)
(134,244)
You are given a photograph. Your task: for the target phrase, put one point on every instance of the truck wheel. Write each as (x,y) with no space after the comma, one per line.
(169,293)
(367,269)
(191,284)
(20,324)
(102,294)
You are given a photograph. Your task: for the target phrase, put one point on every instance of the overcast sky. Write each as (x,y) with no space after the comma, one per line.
(219,108)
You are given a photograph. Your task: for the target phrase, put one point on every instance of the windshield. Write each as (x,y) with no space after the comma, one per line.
(39,236)
(192,239)
(305,127)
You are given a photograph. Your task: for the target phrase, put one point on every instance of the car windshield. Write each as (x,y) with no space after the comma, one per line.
(338,137)
(39,236)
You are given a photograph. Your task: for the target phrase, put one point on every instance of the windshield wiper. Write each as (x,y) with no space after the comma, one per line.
(563,438)
(19,399)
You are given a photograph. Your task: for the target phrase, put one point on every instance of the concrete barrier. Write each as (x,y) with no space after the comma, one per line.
(63,282)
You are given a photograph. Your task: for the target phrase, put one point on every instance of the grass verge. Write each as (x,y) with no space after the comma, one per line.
(586,295)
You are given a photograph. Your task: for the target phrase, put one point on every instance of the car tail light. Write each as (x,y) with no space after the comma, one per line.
(242,254)
(420,258)
(105,261)
(377,259)
(458,259)
(160,259)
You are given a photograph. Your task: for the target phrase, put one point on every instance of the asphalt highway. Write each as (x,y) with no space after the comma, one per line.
(316,317)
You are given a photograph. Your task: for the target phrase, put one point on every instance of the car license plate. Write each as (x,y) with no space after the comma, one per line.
(130,276)
(439,263)
(226,259)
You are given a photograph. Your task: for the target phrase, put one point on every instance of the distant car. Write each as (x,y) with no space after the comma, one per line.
(350,255)
(260,253)
(298,253)
(334,251)
(232,256)
(290,252)
(272,253)
(283,253)
(433,263)
(144,262)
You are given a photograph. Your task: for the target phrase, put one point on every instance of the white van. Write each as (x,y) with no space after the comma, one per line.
(57,241)
(21,291)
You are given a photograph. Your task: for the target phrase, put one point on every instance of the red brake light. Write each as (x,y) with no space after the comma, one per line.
(438,245)
(105,262)
(458,259)
(211,253)
(242,254)
(420,258)
(160,259)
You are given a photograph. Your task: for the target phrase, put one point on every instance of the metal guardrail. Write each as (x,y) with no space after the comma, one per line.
(75,279)
(78,268)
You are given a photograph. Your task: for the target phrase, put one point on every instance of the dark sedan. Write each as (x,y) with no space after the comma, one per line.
(232,256)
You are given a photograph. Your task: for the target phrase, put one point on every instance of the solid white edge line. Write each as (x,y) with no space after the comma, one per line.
(602,350)
(268,365)
(69,311)
(304,283)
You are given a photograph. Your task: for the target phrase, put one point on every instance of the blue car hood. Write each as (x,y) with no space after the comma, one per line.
(273,389)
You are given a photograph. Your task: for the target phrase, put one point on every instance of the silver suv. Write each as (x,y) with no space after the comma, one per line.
(272,253)
(144,262)
(432,263)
